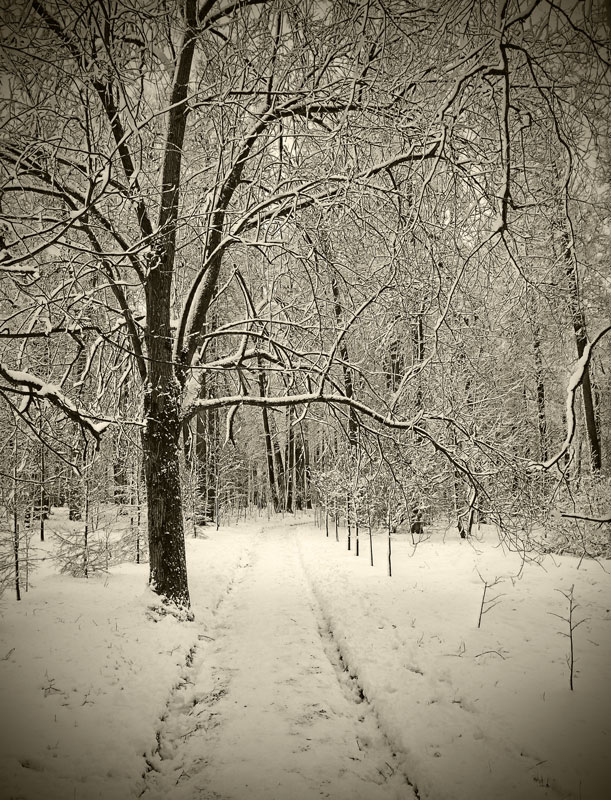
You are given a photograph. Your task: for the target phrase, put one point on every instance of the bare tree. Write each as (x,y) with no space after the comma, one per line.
(152,154)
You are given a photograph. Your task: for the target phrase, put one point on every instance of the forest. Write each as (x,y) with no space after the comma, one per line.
(305,399)
(349,257)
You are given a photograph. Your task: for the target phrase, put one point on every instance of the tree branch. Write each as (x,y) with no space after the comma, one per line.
(34,386)
(105,94)
(575,382)
(600,520)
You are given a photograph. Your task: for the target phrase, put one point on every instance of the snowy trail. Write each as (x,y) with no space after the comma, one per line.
(269,715)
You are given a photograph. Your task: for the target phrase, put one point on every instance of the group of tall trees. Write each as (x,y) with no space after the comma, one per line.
(356,229)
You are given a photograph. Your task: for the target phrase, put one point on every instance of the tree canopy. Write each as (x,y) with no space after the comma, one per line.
(389,217)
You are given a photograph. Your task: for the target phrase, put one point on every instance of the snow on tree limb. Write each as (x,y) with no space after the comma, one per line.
(574,383)
(600,520)
(328,398)
(14,268)
(282,401)
(48,391)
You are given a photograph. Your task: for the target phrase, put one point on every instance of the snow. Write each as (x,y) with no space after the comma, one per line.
(265,714)
(100,698)
(492,705)
(85,674)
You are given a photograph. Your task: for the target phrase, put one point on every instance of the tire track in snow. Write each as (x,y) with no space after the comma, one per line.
(269,715)
(349,682)
(457,713)
(176,720)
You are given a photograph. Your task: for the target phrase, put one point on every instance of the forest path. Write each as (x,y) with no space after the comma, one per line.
(269,714)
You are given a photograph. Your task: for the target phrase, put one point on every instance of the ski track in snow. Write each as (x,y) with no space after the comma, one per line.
(265,709)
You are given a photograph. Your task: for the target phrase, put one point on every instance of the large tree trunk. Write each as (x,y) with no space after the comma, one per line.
(161,446)
(161,443)
(162,399)
(578,319)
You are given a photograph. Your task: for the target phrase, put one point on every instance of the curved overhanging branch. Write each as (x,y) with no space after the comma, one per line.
(575,382)
(283,401)
(334,399)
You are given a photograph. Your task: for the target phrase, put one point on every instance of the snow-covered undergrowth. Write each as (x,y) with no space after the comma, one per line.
(480,712)
(486,713)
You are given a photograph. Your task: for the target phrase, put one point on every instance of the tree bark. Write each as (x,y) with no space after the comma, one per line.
(161,447)
(161,442)
(269,451)
(541,406)
(289,460)
(581,340)
(347,372)
(418,351)
(162,400)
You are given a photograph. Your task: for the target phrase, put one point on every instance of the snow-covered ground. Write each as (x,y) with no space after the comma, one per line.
(99,698)
(479,713)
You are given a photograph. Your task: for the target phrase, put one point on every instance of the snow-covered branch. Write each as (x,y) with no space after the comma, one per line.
(25,382)
(600,520)
(283,401)
(571,421)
